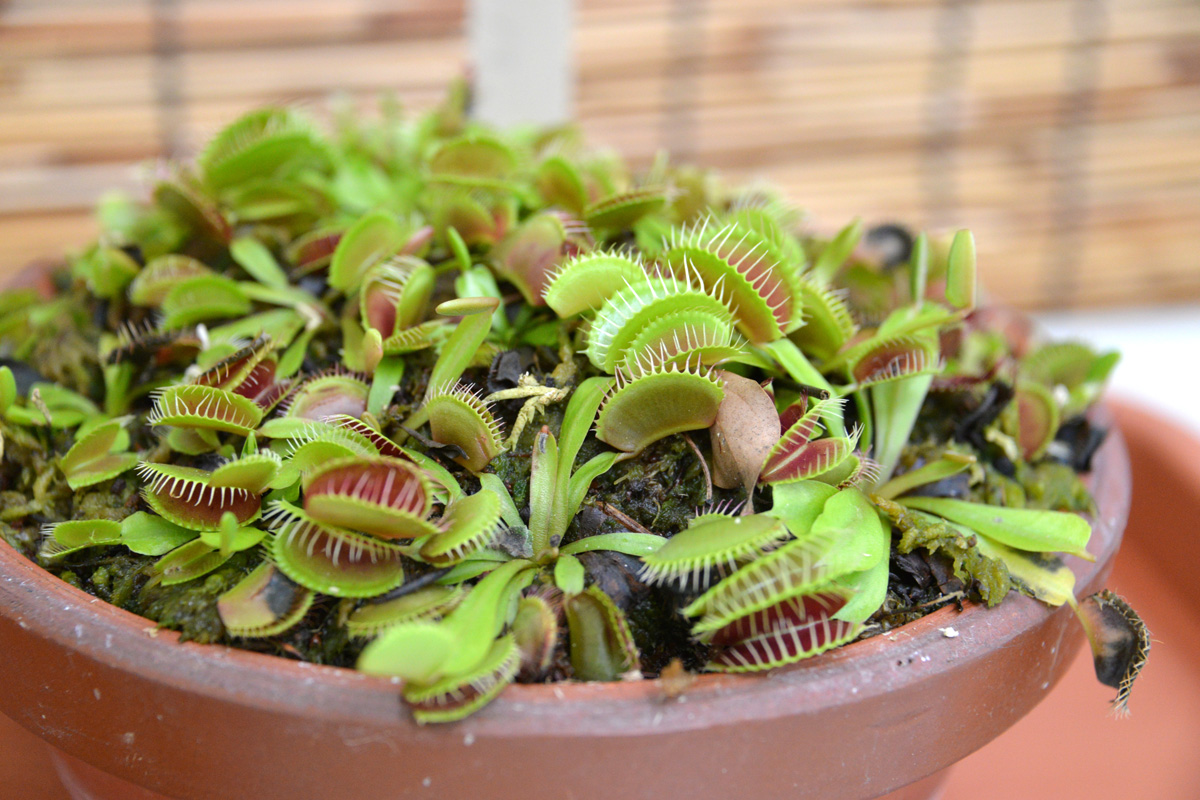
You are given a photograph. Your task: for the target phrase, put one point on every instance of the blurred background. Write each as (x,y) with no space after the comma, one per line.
(1065,133)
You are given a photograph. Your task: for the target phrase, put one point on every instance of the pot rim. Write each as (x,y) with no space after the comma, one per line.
(920,651)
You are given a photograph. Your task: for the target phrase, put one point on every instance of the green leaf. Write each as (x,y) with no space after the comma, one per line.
(361,185)
(118,380)
(61,398)
(231,537)
(66,408)
(468,524)
(655,405)
(293,358)
(440,474)
(459,695)
(896,406)
(619,212)
(291,297)
(106,270)
(543,472)
(281,324)
(460,347)
(415,651)
(264,603)
(254,257)
(835,253)
(370,240)
(791,570)
(481,616)
(333,560)
(491,482)
(798,504)
(1045,577)
(459,417)
(273,200)
(463,256)
(582,479)
(284,427)
(579,416)
(948,465)
(8,389)
(187,562)
(869,588)
(577,422)
(797,365)
(90,460)
(629,543)
(586,281)
(794,629)
(481,561)
(473,159)
(425,604)
(918,266)
(1022,528)
(205,408)
(859,539)
(259,144)
(384,384)
(478,281)
(156,279)
(253,472)
(960,271)
(569,574)
(203,299)
(151,535)
(712,542)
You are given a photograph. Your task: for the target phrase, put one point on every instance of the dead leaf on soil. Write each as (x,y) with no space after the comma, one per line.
(746,427)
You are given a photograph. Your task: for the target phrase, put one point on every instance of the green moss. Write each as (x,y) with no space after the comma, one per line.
(1045,484)
(23,539)
(191,607)
(1054,486)
(115,500)
(989,578)
(662,489)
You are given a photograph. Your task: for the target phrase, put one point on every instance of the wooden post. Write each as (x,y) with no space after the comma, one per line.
(521,54)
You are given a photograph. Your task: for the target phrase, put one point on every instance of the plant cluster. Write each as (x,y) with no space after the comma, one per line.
(411,380)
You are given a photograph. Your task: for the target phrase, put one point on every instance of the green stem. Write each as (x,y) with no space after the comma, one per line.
(414,421)
(388,374)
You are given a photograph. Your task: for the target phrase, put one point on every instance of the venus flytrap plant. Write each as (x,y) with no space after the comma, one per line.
(450,387)
(599,636)
(792,582)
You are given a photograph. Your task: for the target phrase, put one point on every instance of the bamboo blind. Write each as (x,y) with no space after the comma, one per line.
(1066,133)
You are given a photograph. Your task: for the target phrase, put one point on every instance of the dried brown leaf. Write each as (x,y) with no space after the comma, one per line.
(746,427)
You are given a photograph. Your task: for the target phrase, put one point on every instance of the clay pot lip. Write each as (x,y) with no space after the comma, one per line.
(45,606)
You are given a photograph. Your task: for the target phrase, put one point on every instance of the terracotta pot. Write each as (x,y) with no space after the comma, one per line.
(128,706)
